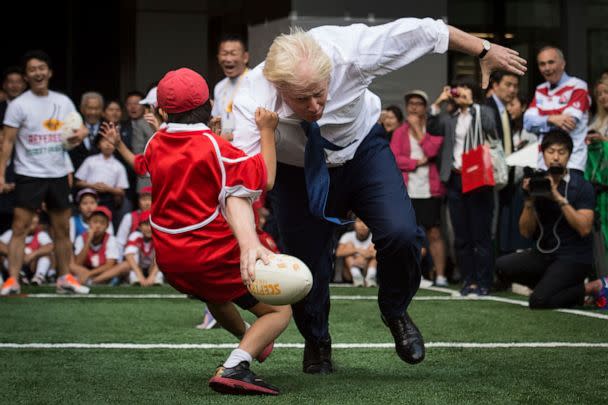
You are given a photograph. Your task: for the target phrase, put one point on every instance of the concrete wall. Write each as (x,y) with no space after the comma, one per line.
(169,37)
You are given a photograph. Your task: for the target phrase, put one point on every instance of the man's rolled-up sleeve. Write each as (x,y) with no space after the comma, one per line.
(384,48)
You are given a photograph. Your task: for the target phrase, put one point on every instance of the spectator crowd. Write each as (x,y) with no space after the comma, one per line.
(80,215)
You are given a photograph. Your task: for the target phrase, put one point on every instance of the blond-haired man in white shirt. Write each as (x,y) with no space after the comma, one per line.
(332,158)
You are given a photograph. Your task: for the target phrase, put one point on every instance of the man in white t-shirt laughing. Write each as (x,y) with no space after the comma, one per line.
(232,57)
(32,125)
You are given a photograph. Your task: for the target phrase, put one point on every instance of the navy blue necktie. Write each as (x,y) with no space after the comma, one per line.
(315,171)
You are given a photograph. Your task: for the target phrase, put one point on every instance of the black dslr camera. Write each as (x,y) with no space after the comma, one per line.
(540,185)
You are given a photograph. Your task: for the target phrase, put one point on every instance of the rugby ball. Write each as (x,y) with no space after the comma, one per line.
(284,280)
(71,122)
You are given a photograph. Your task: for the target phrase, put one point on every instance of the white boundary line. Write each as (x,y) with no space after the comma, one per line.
(522,303)
(209,346)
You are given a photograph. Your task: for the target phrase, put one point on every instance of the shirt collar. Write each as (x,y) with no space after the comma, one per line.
(174,127)
(499,104)
(560,82)
(458,112)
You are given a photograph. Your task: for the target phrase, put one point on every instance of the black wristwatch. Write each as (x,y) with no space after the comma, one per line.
(486,47)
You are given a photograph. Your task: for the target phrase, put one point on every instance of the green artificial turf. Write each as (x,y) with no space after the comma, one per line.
(167,376)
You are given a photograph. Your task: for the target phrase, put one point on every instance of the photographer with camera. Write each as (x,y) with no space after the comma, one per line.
(558,213)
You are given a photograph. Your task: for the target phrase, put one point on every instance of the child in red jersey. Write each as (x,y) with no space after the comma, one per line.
(202,222)
(130,222)
(139,264)
(95,251)
(37,254)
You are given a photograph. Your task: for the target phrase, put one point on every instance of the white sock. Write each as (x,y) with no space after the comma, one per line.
(371,273)
(441,279)
(355,272)
(236,357)
(43,266)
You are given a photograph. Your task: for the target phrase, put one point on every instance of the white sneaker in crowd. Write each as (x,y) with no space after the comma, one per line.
(358,281)
(441,281)
(209,321)
(69,285)
(371,282)
(424,283)
(38,280)
(10,287)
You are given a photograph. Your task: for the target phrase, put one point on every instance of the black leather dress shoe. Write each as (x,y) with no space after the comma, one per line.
(317,358)
(408,340)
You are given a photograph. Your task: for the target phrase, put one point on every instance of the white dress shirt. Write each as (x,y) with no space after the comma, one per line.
(359,54)
(463,125)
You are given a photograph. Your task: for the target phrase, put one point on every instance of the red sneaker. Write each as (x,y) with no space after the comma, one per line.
(240,380)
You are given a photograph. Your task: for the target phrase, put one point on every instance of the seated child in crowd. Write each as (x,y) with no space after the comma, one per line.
(38,252)
(130,222)
(139,254)
(87,203)
(95,251)
(104,174)
(139,264)
(359,255)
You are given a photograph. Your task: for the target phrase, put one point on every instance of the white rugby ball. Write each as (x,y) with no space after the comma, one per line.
(71,122)
(284,280)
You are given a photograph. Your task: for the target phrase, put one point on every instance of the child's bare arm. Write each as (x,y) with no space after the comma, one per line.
(267,122)
(152,271)
(345,250)
(104,267)
(239,216)
(44,250)
(130,258)
(108,131)
(80,258)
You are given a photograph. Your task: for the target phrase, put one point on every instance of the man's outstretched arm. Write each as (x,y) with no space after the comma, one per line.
(497,58)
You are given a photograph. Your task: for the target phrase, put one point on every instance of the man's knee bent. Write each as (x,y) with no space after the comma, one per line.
(399,237)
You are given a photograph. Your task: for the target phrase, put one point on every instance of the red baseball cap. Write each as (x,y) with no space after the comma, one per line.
(145,190)
(145,216)
(182,90)
(103,211)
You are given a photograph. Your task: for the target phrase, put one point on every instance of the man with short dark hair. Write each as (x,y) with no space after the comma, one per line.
(14,85)
(504,89)
(558,213)
(232,57)
(561,102)
(32,126)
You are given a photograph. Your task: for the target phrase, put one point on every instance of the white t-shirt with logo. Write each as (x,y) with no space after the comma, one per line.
(351,237)
(38,150)
(223,97)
